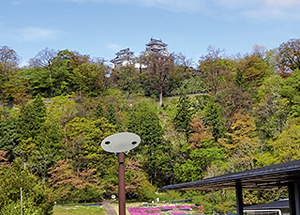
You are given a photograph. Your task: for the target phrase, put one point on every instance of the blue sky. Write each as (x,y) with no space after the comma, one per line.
(102,27)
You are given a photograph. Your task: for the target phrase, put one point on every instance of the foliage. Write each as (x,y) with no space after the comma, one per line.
(156,151)
(184,114)
(35,194)
(242,144)
(291,92)
(214,118)
(286,146)
(271,110)
(239,114)
(195,167)
(74,186)
(254,70)
(289,53)
(90,79)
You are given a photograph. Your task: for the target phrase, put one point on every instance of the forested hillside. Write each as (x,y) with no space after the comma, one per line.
(223,115)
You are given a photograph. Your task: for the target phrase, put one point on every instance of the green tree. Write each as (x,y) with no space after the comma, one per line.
(31,119)
(214,118)
(83,137)
(216,70)
(9,137)
(271,110)
(111,115)
(90,79)
(184,115)
(35,194)
(290,90)
(127,79)
(99,112)
(195,167)
(156,153)
(286,146)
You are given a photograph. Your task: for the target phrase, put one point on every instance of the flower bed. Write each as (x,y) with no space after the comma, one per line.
(171,209)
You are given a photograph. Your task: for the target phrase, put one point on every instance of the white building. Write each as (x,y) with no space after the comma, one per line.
(126,57)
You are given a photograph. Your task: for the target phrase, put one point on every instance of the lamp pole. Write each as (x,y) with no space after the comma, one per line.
(122,192)
(119,143)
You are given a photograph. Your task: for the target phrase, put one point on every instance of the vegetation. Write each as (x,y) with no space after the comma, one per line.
(228,114)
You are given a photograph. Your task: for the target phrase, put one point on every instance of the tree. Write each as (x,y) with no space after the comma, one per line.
(199,133)
(291,92)
(47,150)
(90,79)
(43,59)
(99,112)
(199,160)
(289,54)
(15,88)
(10,80)
(111,115)
(75,186)
(242,143)
(35,194)
(214,118)
(9,138)
(184,115)
(31,119)
(82,138)
(155,151)
(216,70)
(127,79)
(8,56)
(254,70)
(286,146)
(271,110)
(159,67)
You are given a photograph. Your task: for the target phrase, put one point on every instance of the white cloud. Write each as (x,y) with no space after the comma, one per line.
(282,3)
(114,46)
(35,33)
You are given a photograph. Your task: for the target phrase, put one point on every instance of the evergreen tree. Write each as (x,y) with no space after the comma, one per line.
(112,117)
(156,152)
(9,137)
(184,115)
(213,117)
(99,111)
(31,119)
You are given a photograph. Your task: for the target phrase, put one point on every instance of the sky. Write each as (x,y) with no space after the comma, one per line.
(100,28)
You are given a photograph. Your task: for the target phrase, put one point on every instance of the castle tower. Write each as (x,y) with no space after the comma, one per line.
(157,46)
(124,57)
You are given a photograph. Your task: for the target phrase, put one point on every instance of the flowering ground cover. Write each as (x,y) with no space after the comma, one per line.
(170,209)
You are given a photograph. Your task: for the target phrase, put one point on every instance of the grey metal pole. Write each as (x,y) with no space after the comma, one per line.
(122,194)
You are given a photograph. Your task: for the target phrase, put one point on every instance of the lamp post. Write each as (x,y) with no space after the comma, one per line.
(119,143)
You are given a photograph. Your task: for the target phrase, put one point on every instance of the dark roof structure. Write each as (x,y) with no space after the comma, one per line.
(266,177)
(156,42)
(157,46)
(122,55)
(280,204)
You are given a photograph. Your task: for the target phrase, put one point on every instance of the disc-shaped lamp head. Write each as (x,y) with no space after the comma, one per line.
(120,142)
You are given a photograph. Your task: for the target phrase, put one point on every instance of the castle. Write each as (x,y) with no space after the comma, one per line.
(126,57)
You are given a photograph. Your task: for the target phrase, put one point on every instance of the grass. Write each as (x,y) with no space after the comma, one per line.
(74,210)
